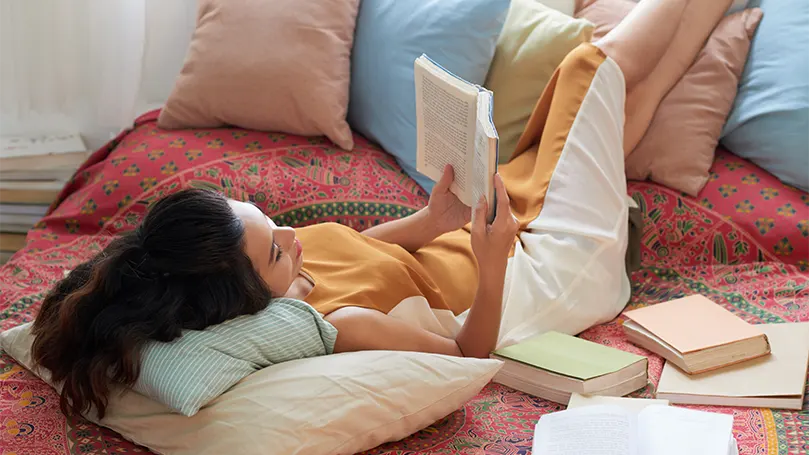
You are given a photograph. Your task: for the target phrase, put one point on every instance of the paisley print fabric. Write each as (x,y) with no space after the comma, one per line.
(771,215)
(743,243)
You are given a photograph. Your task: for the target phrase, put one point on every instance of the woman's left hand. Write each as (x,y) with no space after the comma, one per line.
(446,212)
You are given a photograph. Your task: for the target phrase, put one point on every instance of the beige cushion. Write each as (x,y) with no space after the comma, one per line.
(678,148)
(279,65)
(567,7)
(534,40)
(335,404)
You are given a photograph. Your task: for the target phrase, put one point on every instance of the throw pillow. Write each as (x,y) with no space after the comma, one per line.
(335,404)
(192,370)
(534,41)
(567,7)
(770,118)
(272,66)
(679,146)
(458,34)
(735,5)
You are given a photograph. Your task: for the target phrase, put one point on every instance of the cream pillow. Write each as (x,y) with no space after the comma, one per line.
(280,65)
(534,41)
(567,7)
(335,404)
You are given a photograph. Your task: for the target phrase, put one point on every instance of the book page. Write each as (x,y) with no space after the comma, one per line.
(782,373)
(733,449)
(445,124)
(633,405)
(485,160)
(592,430)
(17,146)
(669,430)
(480,165)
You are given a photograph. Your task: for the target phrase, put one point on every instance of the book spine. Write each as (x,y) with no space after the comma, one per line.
(27,196)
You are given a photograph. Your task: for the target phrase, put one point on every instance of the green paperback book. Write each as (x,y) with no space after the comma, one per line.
(569,355)
(554,365)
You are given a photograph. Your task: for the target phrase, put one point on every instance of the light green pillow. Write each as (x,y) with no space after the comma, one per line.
(193,370)
(534,41)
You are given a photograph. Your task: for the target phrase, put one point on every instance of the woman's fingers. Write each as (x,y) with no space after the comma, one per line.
(503,204)
(504,220)
(479,216)
(446,179)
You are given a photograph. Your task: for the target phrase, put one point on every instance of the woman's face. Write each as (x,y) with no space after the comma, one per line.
(274,251)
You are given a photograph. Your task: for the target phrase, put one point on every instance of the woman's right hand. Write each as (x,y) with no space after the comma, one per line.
(492,243)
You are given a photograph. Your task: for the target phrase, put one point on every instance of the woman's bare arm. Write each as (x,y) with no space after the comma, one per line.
(444,213)
(361,329)
(411,232)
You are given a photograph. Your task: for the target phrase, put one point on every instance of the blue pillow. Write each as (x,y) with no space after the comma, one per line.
(390,34)
(769,122)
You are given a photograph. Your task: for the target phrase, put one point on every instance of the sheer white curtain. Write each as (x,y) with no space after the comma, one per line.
(169,26)
(88,65)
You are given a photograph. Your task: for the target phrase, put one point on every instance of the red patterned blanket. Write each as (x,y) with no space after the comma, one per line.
(744,243)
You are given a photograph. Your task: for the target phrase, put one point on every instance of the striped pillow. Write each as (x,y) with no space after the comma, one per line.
(189,372)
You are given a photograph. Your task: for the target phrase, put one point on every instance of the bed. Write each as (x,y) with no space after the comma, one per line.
(744,242)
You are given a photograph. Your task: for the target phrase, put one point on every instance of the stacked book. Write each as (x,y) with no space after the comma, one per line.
(555,365)
(33,169)
(715,358)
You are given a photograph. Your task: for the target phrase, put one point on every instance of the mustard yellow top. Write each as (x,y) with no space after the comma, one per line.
(351,269)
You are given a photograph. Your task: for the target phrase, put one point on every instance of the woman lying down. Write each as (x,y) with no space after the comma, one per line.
(552,259)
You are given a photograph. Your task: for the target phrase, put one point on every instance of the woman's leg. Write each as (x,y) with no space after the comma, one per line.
(566,179)
(567,188)
(641,39)
(654,46)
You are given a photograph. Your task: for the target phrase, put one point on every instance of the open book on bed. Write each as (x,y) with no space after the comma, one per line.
(615,430)
(454,126)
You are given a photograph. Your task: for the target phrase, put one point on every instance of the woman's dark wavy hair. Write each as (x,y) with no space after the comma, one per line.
(182,268)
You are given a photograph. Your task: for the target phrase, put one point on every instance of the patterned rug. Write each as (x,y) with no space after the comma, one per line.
(710,245)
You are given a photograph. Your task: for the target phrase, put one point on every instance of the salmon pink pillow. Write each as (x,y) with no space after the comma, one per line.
(280,65)
(678,148)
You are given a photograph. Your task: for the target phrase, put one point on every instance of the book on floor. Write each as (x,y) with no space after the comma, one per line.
(5,256)
(41,152)
(14,228)
(555,365)
(11,242)
(44,144)
(30,191)
(655,430)
(62,173)
(17,219)
(774,381)
(695,334)
(630,404)
(16,167)
(23,209)
(454,126)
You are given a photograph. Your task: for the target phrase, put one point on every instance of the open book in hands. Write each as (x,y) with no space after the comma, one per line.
(454,126)
(614,430)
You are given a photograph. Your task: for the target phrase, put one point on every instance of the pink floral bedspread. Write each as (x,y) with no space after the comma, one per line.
(744,242)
